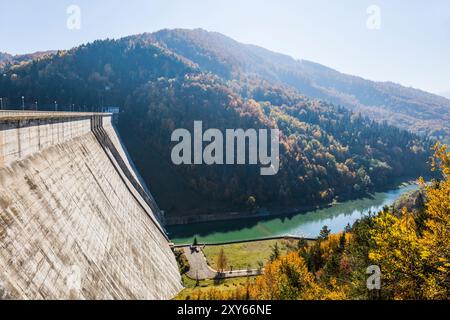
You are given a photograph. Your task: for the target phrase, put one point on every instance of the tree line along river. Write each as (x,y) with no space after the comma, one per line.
(306,224)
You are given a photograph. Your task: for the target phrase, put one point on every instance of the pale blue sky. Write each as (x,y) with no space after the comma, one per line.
(412,47)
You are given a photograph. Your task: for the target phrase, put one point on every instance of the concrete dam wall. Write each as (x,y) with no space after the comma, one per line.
(76,222)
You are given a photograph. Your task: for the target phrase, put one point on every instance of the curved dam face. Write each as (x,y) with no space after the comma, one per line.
(75,219)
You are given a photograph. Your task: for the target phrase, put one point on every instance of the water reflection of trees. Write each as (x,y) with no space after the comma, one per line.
(252,227)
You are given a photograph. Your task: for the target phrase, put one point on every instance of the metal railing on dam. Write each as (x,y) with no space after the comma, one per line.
(18,115)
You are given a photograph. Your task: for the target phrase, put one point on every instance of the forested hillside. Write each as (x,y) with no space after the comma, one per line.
(406,108)
(327,153)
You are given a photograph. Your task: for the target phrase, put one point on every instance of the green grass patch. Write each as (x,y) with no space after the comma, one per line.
(247,254)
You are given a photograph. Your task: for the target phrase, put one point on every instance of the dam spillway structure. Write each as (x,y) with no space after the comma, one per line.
(76,220)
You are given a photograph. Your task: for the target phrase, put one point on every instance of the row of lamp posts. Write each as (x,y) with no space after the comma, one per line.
(72,107)
(36,104)
(23,103)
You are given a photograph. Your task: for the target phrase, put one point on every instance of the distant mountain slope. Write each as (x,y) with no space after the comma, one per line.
(6,58)
(445,94)
(406,108)
(326,152)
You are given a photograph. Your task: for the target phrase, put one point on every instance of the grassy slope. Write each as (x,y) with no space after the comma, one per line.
(247,254)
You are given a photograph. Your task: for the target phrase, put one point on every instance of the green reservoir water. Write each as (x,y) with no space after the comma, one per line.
(306,224)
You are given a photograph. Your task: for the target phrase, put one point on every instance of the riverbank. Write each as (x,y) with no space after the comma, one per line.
(260,213)
(218,244)
(236,215)
(302,224)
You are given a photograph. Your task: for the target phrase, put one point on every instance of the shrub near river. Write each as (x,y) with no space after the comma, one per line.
(183,263)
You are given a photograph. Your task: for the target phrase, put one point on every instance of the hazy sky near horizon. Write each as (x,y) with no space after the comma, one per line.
(411,47)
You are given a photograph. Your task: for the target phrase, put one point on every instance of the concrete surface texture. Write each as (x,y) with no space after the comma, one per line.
(72,223)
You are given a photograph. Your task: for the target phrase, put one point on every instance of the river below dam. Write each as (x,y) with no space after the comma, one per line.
(306,224)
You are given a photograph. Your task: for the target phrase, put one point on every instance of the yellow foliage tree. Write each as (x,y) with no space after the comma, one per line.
(399,254)
(436,237)
(416,265)
(286,278)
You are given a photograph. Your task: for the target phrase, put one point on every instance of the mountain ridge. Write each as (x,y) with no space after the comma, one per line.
(445,94)
(408,108)
(327,152)
(405,107)
(6,58)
